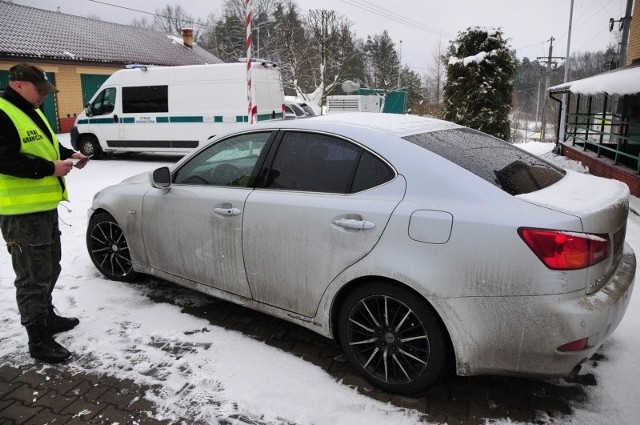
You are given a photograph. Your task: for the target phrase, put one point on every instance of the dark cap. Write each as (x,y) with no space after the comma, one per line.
(31,73)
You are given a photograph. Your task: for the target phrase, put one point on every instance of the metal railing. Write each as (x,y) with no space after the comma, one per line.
(607,134)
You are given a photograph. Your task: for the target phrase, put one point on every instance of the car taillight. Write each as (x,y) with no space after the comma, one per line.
(560,250)
(577,345)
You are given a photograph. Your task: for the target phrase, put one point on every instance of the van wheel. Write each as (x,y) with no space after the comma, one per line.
(89,146)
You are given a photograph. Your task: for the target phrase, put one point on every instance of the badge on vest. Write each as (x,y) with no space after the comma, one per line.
(32,136)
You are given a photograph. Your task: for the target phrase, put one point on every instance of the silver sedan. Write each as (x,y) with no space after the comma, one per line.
(416,243)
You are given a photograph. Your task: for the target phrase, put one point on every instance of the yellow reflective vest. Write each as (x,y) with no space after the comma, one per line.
(23,195)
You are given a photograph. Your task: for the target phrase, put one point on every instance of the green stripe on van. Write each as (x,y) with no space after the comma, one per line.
(189,119)
(186,119)
(101,120)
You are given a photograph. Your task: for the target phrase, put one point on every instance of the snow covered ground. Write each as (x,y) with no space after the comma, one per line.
(212,372)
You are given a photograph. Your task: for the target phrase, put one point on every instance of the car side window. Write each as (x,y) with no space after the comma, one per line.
(322,163)
(228,162)
(371,172)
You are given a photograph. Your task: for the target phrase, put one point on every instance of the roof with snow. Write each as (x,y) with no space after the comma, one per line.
(28,33)
(620,81)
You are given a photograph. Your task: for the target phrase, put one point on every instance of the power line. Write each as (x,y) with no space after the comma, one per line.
(388,14)
(124,7)
(603,7)
(147,13)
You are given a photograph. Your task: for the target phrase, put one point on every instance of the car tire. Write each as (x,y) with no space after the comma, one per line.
(108,248)
(89,146)
(403,350)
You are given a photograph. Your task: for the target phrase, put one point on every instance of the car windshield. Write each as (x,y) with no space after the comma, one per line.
(510,168)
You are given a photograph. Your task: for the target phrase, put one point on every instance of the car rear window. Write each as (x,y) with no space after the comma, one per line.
(510,168)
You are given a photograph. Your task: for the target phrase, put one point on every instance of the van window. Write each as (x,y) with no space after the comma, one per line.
(145,99)
(103,103)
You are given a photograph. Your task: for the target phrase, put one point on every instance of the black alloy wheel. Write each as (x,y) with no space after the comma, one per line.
(108,248)
(393,337)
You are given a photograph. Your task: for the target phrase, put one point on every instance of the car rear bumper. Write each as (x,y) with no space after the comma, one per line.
(521,335)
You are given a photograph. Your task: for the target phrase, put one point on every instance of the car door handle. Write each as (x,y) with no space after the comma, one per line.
(115,118)
(349,223)
(227,211)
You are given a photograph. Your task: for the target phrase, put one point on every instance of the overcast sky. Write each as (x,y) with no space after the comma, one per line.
(416,25)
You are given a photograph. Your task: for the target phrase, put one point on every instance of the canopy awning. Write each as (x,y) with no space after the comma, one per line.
(620,82)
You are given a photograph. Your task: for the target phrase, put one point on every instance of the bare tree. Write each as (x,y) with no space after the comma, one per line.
(434,81)
(171,20)
(334,45)
(141,23)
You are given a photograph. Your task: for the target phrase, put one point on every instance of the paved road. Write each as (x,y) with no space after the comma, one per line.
(38,394)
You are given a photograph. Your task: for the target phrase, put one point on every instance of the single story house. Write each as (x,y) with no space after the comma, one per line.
(602,118)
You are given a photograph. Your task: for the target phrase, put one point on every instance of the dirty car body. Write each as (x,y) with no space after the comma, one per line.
(412,241)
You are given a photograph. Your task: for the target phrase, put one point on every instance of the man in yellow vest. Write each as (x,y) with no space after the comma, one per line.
(33,164)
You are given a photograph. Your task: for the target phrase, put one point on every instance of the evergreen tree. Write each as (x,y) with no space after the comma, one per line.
(230,37)
(412,83)
(479,89)
(294,53)
(528,84)
(383,62)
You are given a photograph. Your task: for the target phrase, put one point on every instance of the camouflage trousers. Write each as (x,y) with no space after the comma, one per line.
(33,240)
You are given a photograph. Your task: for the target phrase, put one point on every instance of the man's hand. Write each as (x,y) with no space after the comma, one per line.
(62,168)
(79,159)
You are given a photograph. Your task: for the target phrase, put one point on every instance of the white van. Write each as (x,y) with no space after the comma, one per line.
(174,109)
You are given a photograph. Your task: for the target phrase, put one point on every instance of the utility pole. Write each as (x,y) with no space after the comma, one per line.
(563,105)
(626,26)
(550,59)
(399,64)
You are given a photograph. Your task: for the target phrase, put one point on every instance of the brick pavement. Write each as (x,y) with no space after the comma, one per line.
(38,394)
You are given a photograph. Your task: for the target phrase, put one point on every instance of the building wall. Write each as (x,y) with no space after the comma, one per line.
(633,48)
(67,79)
(602,167)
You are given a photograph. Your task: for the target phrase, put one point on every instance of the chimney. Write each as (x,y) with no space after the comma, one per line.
(187,37)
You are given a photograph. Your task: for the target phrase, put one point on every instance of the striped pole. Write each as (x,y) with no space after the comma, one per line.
(251,108)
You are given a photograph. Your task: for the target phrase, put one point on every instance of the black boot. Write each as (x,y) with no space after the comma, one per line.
(57,324)
(43,347)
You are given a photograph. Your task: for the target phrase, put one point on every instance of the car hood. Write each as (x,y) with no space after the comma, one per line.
(601,204)
(137,178)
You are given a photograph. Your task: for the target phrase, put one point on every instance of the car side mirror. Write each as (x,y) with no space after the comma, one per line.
(161,178)
(88,110)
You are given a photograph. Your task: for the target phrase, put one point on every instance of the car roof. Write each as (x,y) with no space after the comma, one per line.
(395,124)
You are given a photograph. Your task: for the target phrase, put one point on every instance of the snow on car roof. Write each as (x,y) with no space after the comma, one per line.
(397,124)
